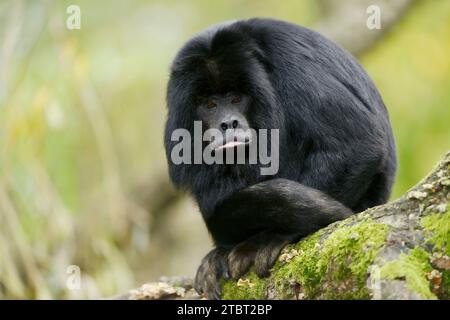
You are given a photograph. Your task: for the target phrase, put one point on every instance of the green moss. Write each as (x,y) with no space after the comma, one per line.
(413,267)
(251,287)
(301,269)
(437,231)
(337,267)
(330,264)
(445,285)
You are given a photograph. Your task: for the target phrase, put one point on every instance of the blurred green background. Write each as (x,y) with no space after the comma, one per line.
(83,177)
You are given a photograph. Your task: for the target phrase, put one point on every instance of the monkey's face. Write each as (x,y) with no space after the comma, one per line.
(224,119)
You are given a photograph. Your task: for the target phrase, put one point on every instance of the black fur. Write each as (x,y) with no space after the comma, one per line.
(337,152)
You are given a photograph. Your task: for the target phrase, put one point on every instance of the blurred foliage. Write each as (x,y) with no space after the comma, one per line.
(411,68)
(81,122)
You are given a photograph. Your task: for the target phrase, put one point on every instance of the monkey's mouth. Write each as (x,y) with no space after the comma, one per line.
(232,144)
(232,141)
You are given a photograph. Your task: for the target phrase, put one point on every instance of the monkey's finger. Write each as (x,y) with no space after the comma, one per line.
(239,263)
(267,256)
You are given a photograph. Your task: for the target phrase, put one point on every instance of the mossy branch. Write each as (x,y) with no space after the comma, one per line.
(399,250)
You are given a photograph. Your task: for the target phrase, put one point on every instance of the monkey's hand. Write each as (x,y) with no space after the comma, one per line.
(212,268)
(261,250)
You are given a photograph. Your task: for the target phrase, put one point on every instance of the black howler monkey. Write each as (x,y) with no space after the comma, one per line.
(336,148)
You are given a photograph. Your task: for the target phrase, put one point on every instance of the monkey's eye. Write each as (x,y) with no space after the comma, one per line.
(236,99)
(211,104)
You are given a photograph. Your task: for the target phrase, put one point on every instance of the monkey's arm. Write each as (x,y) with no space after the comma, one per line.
(277,206)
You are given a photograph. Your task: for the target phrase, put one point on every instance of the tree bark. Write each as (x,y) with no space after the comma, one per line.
(399,250)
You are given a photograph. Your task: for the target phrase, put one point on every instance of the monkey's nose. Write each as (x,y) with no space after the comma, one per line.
(231,124)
